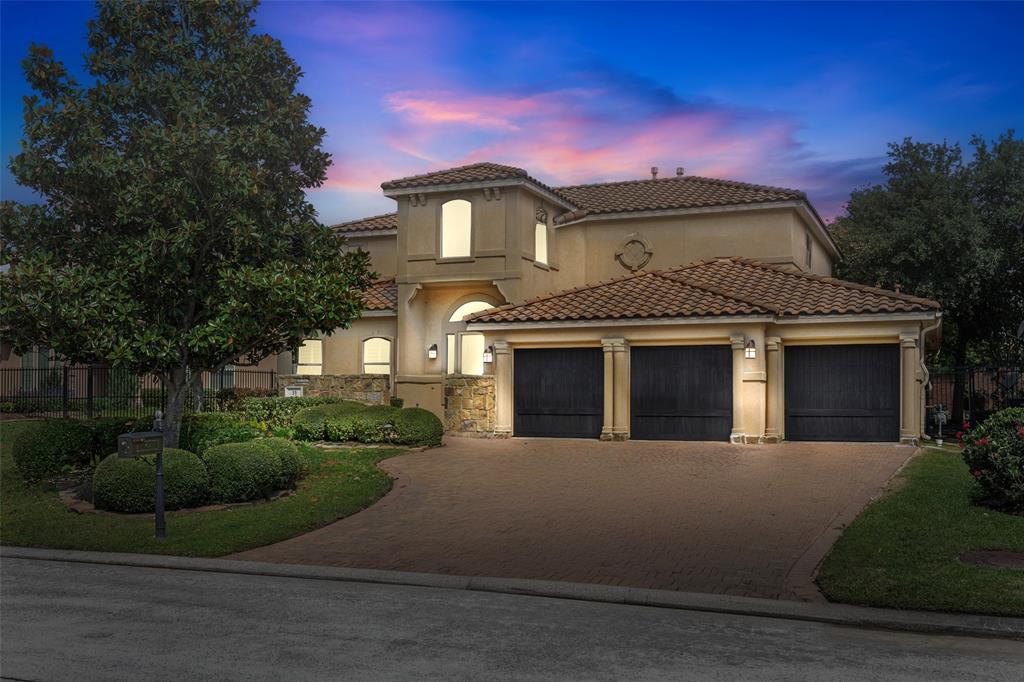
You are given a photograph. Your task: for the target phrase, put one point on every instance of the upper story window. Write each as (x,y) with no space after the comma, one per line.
(310,357)
(540,243)
(456,229)
(377,356)
(808,246)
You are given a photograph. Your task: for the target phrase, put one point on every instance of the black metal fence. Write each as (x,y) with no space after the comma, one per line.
(107,391)
(971,394)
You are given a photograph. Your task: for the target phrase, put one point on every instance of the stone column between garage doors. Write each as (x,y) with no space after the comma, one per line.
(615,424)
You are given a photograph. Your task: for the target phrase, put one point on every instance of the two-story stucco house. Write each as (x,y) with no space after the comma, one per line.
(672,308)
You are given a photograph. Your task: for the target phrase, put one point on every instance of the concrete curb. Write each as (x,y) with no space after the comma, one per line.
(835,614)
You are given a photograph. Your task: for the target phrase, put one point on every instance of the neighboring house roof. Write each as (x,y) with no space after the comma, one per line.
(715,288)
(382,295)
(377,223)
(685,191)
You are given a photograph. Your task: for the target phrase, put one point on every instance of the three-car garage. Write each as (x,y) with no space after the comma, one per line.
(831,392)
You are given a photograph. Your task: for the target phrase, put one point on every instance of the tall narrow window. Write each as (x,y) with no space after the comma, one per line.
(310,357)
(809,249)
(540,243)
(376,356)
(456,229)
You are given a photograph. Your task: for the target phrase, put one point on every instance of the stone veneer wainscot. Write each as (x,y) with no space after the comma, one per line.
(373,389)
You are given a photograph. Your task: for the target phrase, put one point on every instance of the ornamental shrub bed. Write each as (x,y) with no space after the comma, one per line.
(994,453)
(373,424)
(200,432)
(416,426)
(46,448)
(309,423)
(129,485)
(240,472)
(277,413)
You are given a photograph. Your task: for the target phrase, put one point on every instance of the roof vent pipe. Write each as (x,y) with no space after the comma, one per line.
(654,172)
(679,171)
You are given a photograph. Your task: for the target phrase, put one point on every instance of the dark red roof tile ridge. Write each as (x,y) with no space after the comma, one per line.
(835,281)
(675,276)
(686,178)
(363,220)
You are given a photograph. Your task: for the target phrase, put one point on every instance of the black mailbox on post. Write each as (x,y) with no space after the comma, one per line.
(140,443)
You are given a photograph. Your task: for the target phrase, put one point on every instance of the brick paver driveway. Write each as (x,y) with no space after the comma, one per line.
(705,517)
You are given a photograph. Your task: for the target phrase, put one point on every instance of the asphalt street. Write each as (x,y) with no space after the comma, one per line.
(74,621)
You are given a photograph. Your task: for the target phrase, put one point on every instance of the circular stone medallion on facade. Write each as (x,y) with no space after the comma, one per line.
(634,252)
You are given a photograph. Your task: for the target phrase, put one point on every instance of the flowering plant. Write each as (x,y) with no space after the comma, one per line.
(994,453)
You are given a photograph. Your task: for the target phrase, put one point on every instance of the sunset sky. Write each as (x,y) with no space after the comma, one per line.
(803,96)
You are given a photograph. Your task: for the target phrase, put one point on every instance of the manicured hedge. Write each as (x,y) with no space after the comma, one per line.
(243,471)
(105,431)
(292,464)
(47,447)
(373,424)
(200,432)
(994,453)
(416,426)
(309,423)
(129,485)
(277,413)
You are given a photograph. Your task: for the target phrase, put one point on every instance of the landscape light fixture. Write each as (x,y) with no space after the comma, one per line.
(750,351)
(432,351)
(489,354)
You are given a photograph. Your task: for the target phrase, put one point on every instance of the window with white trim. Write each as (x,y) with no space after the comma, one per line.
(456,229)
(465,350)
(540,243)
(377,356)
(309,358)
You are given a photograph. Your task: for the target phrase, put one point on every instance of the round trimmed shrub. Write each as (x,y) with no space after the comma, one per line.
(373,424)
(129,485)
(292,464)
(308,423)
(240,472)
(43,449)
(200,432)
(994,453)
(416,426)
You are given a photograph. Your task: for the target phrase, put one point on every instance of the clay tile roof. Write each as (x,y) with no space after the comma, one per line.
(477,172)
(687,191)
(719,288)
(377,223)
(382,295)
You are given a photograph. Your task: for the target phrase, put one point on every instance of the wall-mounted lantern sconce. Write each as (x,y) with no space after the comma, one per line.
(432,351)
(750,351)
(489,354)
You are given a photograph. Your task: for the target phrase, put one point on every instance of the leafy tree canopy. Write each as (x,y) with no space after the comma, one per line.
(175,234)
(950,230)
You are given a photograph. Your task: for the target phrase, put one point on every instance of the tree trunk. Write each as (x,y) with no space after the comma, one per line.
(177,385)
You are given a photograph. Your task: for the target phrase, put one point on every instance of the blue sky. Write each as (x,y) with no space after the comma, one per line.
(797,95)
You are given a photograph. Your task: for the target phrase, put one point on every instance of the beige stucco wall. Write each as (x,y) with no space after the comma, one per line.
(758,390)
(343,350)
(383,250)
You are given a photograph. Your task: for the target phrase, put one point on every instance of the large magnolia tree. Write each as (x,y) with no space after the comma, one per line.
(174,233)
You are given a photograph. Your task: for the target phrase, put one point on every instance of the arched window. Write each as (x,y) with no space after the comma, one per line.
(456,229)
(465,349)
(377,356)
(540,243)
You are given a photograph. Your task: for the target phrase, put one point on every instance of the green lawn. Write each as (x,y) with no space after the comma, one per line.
(901,552)
(339,483)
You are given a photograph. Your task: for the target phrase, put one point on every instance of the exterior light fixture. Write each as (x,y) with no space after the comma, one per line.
(489,354)
(750,351)
(432,351)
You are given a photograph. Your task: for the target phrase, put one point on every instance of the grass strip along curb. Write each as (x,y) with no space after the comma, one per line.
(834,614)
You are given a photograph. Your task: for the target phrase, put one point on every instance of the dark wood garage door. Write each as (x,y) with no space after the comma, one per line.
(559,392)
(680,392)
(844,393)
